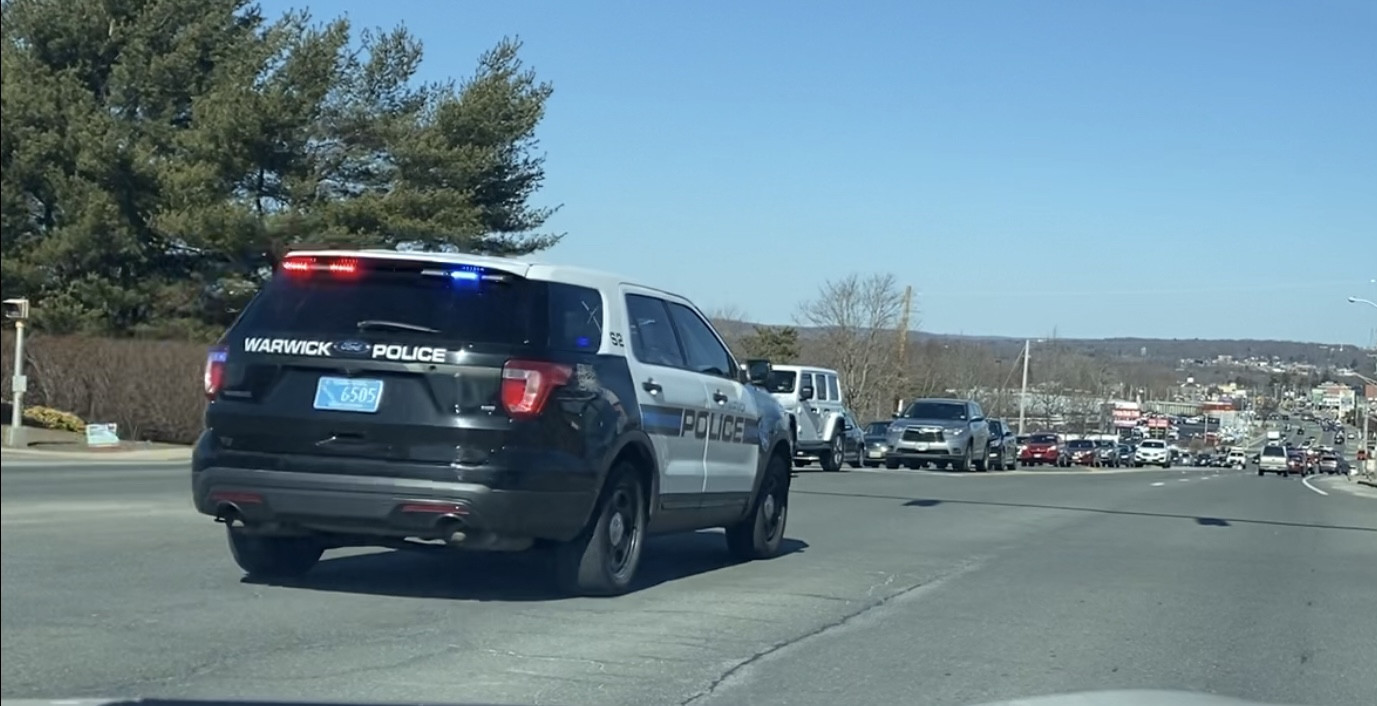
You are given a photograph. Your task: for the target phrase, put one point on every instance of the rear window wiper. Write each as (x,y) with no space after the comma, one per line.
(371,324)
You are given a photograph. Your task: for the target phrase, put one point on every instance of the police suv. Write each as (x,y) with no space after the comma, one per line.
(383,398)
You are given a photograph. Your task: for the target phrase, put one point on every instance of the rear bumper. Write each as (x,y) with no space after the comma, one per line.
(369,499)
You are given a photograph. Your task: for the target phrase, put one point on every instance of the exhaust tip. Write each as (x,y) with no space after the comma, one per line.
(229,514)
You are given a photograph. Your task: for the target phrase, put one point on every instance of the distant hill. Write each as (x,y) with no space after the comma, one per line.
(1159,351)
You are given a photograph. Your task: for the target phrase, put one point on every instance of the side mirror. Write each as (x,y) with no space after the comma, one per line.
(805,393)
(757,371)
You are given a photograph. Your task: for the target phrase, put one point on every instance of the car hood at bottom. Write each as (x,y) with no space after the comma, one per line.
(1133,697)
(1088,698)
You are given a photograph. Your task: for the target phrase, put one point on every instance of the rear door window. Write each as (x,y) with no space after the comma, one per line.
(576,317)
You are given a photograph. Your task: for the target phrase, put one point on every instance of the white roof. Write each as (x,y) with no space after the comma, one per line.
(569,274)
(797,368)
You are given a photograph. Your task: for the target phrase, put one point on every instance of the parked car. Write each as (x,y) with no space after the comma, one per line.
(815,402)
(853,441)
(944,432)
(1041,449)
(1082,452)
(1003,446)
(1152,452)
(876,443)
(1107,452)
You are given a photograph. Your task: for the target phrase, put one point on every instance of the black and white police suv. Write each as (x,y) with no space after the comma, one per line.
(382,398)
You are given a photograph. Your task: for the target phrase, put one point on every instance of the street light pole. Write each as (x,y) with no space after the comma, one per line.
(1023,394)
(17,310)
(1360,300)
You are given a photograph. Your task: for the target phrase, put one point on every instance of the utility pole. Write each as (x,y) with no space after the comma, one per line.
(1023,394)
(903,345)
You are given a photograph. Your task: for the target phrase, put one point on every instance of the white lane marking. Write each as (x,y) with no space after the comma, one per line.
(1183,480)
(1306,482)
(1158,484)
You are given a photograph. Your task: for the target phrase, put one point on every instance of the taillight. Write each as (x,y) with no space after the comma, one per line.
(527,384)
(215,370)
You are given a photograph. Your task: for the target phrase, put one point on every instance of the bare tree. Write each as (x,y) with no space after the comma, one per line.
(729,320)
(857,318)
(727,313)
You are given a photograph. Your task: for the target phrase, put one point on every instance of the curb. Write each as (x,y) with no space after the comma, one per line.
(99,457)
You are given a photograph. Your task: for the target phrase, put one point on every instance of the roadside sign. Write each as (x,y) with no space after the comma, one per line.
(98,435)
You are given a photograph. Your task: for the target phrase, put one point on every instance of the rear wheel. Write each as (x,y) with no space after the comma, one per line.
(273,557)
(832,460)
(761,533)
(602,560)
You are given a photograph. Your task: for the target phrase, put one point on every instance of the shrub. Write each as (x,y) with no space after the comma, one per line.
(50,418)
(151,389)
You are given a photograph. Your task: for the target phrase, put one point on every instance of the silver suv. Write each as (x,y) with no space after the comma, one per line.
(944,432)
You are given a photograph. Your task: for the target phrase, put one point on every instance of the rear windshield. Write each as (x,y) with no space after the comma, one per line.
(947,411)
(1274,451)
(877,428)
(1081,444)
(402,301)
(1042,439)
(1153,445)
(781,381)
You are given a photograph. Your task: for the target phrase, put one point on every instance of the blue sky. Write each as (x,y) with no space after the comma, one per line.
(1161,168)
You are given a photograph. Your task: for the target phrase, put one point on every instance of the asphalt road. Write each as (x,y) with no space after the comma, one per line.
(900,587)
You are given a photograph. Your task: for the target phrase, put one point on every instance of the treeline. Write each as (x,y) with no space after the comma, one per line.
(158,156)
(854,325)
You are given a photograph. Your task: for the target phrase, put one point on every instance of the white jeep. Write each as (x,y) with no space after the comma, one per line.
(816,405)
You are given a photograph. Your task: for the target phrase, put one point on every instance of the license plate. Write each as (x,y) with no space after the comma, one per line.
(921,446)
(876,454)
(348,394)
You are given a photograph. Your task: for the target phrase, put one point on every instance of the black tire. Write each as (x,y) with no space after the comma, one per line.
(273,557)
(836,451)
(892,463)
(602,560)
(761,533)
(964,464)
(1259,472)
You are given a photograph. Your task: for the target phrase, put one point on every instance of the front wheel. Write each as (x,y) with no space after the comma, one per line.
(761,533)
(602,560)
(273,557)
(963,464)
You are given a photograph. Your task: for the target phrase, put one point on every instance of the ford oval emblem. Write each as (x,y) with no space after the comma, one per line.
(354,347)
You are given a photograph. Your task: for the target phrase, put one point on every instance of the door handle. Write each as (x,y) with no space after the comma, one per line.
(652,387)
(719,397)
